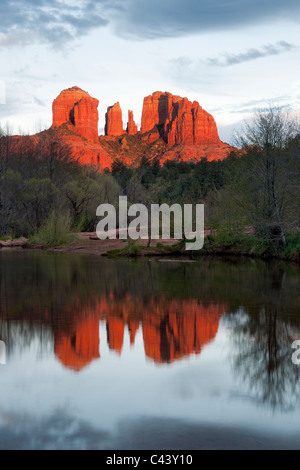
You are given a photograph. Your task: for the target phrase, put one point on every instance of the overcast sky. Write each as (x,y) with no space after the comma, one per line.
(233,56)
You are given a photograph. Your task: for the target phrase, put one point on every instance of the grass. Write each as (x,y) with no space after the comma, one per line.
(56,231)
(292,247)
(4,238)
(131,250)
(250,245)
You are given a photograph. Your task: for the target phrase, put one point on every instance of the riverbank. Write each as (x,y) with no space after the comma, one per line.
(218,245)
(89,243)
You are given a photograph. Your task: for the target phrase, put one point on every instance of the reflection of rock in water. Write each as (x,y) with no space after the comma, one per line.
(171,329)
(115,333)
(2,352)
(80,346)
(186,326)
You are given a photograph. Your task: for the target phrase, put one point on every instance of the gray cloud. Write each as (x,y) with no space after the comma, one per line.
(60,21)
(170,18)
(252,54)
(252,106)
(39,102)
(195,72)
(43,21)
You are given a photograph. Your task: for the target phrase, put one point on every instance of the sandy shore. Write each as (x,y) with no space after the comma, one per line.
(86,242)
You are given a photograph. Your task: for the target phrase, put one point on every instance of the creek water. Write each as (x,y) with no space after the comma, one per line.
(120,354)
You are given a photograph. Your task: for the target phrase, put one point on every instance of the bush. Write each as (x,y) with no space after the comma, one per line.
(292,247)
(56,231)
(133,250)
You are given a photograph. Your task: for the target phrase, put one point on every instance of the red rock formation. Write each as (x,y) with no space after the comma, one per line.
(205,128)
(179,120)
(156,110)
(172,128)
(131,126)
(86,118)
(77,108)
(113,120)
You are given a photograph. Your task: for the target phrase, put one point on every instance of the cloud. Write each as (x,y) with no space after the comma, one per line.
(252,54)
(254,105)
(58,22)
(143,19)
(39,102)
(204,71)
(43,21)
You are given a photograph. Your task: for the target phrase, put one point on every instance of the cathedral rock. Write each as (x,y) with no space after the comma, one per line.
(172,128)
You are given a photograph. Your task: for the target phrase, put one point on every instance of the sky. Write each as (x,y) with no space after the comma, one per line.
(232,56)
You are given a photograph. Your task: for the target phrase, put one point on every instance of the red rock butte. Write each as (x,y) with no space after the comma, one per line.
(76,107)
(172,128)
(179,120)
(113,120)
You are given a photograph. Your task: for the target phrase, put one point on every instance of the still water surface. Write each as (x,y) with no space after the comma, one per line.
(105,354)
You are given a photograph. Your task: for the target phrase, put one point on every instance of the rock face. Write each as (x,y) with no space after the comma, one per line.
(113,120)
(77,108)
(179,121)
(131,126)
(172,128)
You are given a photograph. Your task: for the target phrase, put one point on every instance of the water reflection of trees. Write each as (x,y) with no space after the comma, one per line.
(22,335)
(262,339)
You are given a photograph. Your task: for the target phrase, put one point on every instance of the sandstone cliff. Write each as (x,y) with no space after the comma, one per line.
(77,108)
(172,128)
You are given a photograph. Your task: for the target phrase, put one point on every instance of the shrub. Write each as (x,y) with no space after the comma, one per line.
(56,231)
